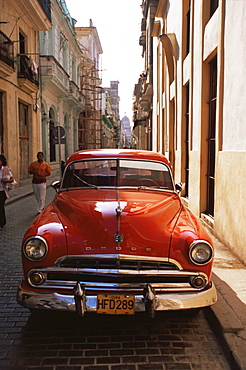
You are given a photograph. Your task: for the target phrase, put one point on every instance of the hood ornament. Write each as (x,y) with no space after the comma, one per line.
(118,238)
(118,210)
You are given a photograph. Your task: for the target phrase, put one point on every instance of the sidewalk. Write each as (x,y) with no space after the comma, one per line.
(26,189)
(228,315)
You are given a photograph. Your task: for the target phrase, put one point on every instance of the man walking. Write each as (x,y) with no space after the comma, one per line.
(40,170)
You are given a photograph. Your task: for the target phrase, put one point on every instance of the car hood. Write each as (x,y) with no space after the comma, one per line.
(118,221)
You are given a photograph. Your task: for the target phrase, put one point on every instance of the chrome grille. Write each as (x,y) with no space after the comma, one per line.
(116,263)
(115,273)
(117,278)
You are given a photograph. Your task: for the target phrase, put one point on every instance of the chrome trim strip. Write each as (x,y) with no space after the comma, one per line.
(115,272)
(167,301)
(68,285)
(118,256)
(98,285)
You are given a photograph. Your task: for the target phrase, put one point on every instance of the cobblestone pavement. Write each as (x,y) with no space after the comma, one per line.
(56,341)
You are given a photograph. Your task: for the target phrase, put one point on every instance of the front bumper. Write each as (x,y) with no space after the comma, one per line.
(159,302)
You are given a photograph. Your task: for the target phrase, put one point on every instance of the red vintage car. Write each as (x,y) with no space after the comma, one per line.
(116,240)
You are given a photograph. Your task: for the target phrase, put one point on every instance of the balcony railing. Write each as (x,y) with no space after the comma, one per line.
(45,4)
(27,69)
(53,72)
(6,50)
(142,39)
(73,90)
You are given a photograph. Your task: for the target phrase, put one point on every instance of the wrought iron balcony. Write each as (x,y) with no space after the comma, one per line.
(6,50)
(27,69)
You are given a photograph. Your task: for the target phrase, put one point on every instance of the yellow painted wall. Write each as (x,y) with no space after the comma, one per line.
(13,91)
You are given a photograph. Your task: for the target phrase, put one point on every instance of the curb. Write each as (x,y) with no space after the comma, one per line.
(228,328)
(11,200)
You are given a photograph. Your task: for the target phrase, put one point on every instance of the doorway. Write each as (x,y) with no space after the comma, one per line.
(1,123)
(212,137)
(23,140)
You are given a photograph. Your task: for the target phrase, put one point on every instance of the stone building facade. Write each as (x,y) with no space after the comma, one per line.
(143,91)
(90,119)
(198,108)
(49,83)
(20,103)
(61,95)
(112,94)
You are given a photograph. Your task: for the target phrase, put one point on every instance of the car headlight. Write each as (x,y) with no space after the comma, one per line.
(201,252)
(35,248)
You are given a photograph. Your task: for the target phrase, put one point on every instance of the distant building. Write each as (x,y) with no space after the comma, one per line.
(61,98)
(143,91)
(126,131)
(109,125)
(113,93)
(90,124)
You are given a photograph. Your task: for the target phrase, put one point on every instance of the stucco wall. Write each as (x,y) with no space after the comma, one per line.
(178,167)
(15,91)
(194,181)
(222,35)
(234,127)
(230,197)
(230,201)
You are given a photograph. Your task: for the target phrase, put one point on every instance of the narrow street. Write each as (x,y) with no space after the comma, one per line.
(56,341)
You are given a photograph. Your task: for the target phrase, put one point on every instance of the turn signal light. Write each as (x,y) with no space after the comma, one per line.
(37,278)
(198,282)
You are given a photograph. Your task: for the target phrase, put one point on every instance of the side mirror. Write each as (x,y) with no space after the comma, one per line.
(56,185)
(179,187)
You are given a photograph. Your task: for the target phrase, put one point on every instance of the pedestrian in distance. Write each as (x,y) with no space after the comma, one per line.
(40,170)
(6,178)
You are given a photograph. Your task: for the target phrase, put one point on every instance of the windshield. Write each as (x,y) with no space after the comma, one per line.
(117,172)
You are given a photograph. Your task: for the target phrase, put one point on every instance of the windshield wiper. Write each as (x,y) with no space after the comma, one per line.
(143,187)
(84,182)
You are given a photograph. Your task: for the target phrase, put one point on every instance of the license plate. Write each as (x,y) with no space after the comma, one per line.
(113,304)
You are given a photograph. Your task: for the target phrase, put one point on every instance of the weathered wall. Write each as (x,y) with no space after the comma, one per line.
(230,201)
(222,35)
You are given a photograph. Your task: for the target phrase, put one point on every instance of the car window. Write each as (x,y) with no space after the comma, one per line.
(113,172)
(145,173)
(90,173)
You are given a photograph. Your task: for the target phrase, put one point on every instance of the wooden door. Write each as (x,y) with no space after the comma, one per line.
(23,140)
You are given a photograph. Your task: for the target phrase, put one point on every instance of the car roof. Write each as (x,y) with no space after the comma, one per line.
(118,153)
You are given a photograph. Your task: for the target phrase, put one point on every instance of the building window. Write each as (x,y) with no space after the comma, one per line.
(213,6)
(188,30)
(6,50)
(1,122)
(212,137)
(22,43)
